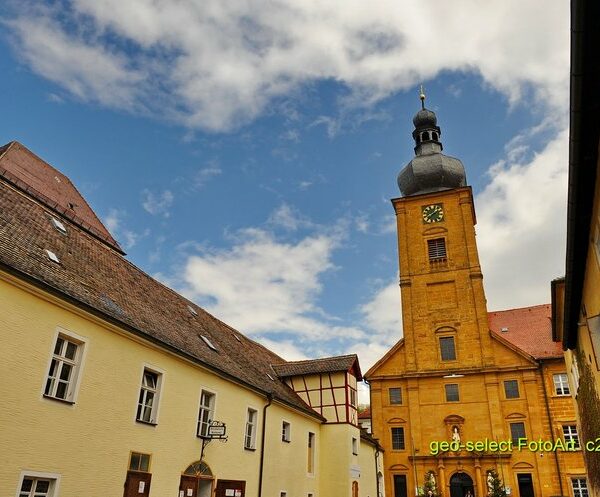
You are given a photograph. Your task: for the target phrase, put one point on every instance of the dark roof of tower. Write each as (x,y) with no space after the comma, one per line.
(430,170)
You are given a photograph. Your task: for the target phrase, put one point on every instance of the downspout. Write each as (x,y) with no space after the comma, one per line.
(262,443)
(555,452)
(376,471)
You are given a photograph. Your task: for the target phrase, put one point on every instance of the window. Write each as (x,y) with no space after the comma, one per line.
(452,392)
(436,249)
(561,384)
(517,430)
(64,366)
(148,401)
(397,438)
(570,434)
(354,446)
(511,389)
(352,397)
(395,396)
(282,494)
(34,484)
(286,431)
(580,488)
(206,413)
(139,462)
(310,466)
(250,436)
(447,349)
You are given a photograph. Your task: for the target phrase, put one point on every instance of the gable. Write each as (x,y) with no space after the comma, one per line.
(392,363)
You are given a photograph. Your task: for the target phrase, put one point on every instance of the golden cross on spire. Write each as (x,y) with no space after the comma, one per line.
(422,97)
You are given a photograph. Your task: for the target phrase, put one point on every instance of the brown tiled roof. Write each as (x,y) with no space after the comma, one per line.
(529,329)
(27,171)
(365,413)
(95,277)
(324,365)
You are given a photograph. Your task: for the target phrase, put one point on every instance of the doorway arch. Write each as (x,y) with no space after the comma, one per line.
(197,479)
(460,485)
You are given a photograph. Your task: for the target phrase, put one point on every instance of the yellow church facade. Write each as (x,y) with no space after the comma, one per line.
(115,385)
(467,398)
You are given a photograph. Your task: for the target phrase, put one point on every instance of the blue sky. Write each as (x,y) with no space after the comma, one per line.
(245,154)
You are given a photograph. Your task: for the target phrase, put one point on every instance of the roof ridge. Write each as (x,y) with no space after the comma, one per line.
(520,308)
(343,356)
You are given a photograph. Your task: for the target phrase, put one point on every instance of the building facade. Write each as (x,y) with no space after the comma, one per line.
(115,385)
(576,297)
(457,400)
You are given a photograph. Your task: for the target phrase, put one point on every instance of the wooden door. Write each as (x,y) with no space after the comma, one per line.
(137,484)
(230,488)
(400,487)
(188,486)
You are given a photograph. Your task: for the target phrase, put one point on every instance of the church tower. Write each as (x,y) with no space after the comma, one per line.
(459,373)
(444,308)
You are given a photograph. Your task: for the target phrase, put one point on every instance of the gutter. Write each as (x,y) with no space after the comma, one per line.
(262,443)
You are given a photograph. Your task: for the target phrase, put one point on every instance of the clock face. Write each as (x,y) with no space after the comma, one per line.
(433,213)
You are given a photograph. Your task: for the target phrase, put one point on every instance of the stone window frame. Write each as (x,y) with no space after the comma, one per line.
(53,478)
(582,489)
(403,431)
(561,384)
(399,396)
(446,392)
(445,336)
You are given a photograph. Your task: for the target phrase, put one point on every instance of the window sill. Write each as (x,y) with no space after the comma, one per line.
(286,441)
(251,449)
(149,423)
(58,399)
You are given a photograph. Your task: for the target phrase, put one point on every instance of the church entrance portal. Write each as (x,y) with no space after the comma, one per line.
(460,484)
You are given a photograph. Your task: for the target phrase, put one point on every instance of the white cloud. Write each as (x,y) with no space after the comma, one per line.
(289,218)
(521,215)
(157,203)
(284,348)
(265,286)
(205,174)
(217,65)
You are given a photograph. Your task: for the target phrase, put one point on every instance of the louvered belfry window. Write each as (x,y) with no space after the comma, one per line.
(436,249)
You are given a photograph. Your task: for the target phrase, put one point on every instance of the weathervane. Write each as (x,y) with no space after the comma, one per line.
(422,97)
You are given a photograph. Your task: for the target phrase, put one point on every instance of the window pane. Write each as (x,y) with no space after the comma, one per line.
(58,346)
(452,392)
(144,462)
(27,485)
(61,390)
(397,438)
(134,464)
(65,372)
(71,350)
(42,486)
(517,430)
(511,389)
(395,396)
(447,349)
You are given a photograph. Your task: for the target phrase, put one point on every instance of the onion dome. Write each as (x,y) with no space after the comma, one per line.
(430,170)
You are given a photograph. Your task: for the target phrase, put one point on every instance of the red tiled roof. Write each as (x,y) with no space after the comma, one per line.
(39,179)
(365,413)
(324,365)
(95,277)
(529,329)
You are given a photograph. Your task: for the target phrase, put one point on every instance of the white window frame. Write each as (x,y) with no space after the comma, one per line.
(569,433)
(202,409)
(155,409)
(252,425)
(354,446)
(286,431)
(579,490)
(77,363)
(37,475)
(563,381)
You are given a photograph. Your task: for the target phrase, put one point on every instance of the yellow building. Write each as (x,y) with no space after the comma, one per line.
(576,298)
(456,398)
(114,385)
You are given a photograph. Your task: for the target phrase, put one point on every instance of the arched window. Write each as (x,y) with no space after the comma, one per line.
(434,136)
(425,136)
(198,469)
